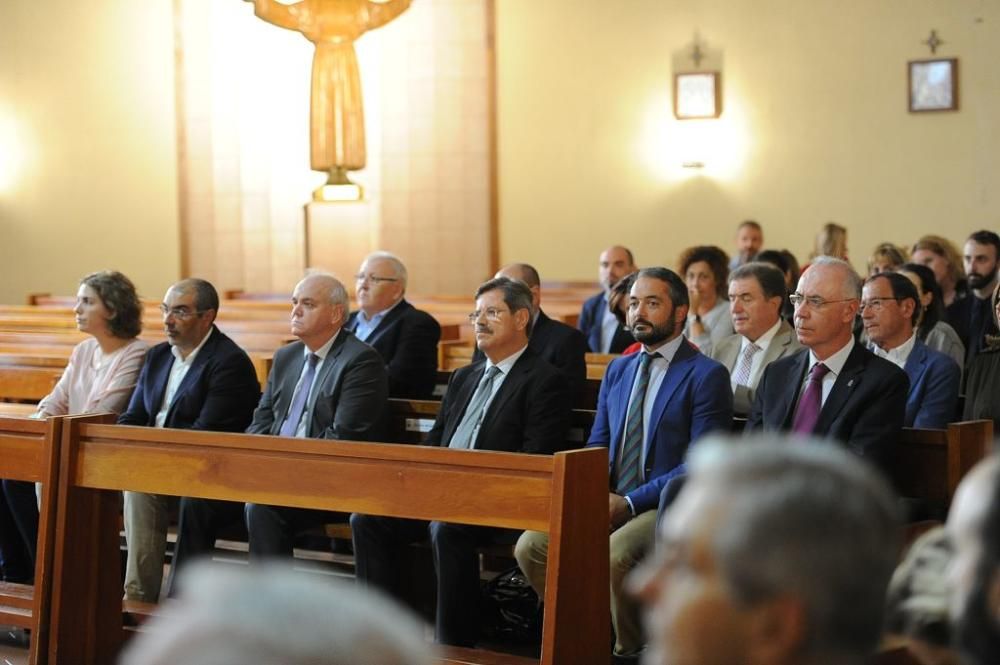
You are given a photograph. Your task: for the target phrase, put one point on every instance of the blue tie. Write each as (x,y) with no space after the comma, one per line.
(301,397)
(629,475)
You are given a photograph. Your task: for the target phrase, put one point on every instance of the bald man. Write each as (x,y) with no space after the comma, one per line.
(562,346)
(601,328)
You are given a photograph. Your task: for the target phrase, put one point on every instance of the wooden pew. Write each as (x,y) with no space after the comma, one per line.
(928,464)
(563,494)
(29,377)
(29,450)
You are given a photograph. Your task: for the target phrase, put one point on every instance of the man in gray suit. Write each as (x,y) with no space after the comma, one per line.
(756,294)
(327,385)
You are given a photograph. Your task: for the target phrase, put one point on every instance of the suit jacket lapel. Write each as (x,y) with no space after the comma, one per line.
(159,384)
(518,374)
(463,396)
(288,382)
(197,365)
(388,320)
(677,371)
(730,353)
(619,399)
(790,394)
(782,339)
(848,379)
(914,366)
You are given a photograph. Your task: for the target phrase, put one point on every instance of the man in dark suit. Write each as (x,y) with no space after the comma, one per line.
(601,328)
(328,385)
(197,379)
(756,294)
(405,337)
(562,346)
(512,401)
(652,407)
(972,316)
(890,308)
(834,388)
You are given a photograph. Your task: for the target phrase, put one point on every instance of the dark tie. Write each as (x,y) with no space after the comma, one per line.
(463,436)
(301,397)
(629,475)
(811,401)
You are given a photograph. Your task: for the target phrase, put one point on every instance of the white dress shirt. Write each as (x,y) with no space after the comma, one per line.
(178,370)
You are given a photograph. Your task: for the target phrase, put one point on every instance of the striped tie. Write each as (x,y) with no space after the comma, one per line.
(741,376)
(629,468)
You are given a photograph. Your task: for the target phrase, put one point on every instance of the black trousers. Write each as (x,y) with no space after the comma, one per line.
(18,531)
(379,542)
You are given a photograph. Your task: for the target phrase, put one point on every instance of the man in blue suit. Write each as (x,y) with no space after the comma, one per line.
(197,379)
(601,328)
(652,406)
(890,308)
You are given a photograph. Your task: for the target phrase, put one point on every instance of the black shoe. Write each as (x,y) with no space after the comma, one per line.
(632,659)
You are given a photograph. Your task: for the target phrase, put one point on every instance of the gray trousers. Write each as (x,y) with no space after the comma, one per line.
(146,537)
(629,545)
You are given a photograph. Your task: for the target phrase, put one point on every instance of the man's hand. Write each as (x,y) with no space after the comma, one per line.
(618,511)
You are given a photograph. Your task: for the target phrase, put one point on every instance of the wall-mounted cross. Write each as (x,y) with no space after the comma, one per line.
(697,55)
(933,42)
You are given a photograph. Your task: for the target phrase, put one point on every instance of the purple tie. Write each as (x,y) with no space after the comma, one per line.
(811,401)
(291,424)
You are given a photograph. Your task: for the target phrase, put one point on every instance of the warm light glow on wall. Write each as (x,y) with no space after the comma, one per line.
(675,149)
(12,152)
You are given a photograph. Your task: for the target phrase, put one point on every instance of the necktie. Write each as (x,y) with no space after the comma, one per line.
(463,436)
(811,401)
(629,474)
(742,374)
(301,397)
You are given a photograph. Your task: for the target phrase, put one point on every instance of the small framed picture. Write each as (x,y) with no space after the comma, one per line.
(933,85)
(697,95)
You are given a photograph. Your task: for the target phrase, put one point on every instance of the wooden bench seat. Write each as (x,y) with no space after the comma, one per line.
(563,494)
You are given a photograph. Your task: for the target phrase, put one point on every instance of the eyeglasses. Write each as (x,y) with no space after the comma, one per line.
(361,277)
(875,304)
(180,313)
(491,313)
(814,302)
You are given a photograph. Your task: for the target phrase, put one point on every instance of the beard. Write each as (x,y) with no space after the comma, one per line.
(976,632)
(977,281)
(653,335)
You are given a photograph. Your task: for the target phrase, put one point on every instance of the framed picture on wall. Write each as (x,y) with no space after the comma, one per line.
(697,95)
(933,85)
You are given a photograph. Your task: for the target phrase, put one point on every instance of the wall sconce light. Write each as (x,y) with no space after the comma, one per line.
(338,188)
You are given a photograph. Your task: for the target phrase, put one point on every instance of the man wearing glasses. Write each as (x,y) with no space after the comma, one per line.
(512,401)
(890,307)
(197,379)
(756,296)
(404,336)
(834,388)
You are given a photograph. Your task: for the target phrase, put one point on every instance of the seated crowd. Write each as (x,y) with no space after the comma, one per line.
(772,553)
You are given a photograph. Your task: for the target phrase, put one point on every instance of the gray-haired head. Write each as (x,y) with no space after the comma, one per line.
(333,287)
(805,519)
(394,263)
(851,280)
(228,615)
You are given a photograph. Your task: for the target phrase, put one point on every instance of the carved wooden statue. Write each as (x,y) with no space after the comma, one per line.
(337,120)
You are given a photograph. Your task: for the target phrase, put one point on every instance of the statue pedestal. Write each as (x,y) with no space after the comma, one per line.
(339,236)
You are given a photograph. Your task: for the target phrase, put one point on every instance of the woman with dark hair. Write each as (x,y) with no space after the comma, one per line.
(982,399)
(932,329)
(618,304)
(100,376)
(705,270)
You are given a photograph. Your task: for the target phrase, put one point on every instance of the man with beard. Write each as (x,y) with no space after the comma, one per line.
(973,316)
(749,240)
(599,325)
(652,406)
(974,574)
